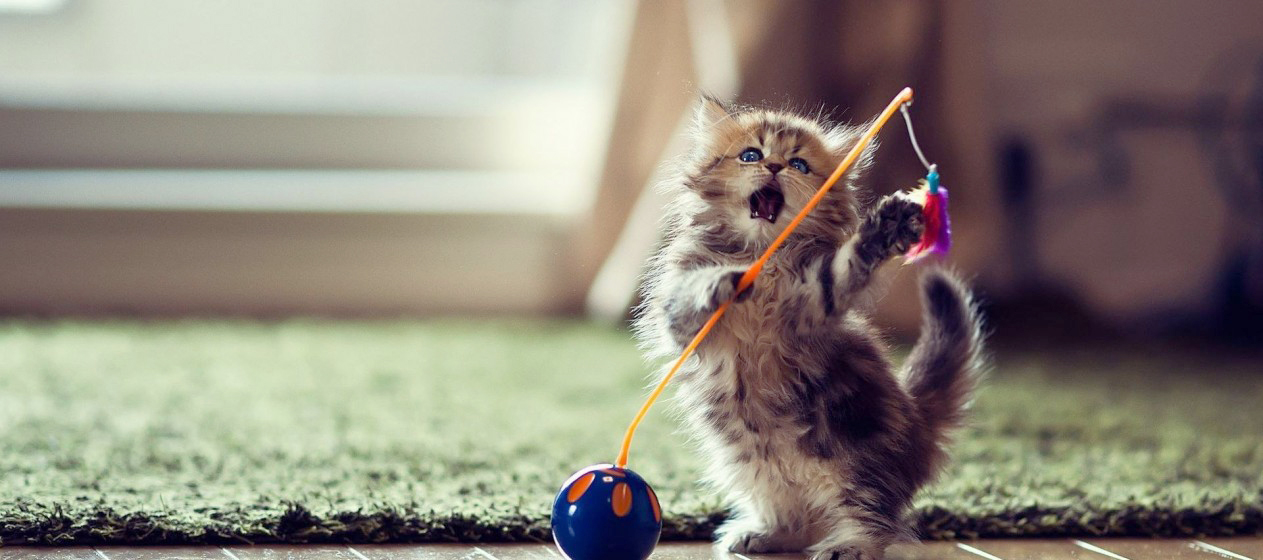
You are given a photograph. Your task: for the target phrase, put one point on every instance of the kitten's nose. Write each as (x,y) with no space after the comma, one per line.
(775,167)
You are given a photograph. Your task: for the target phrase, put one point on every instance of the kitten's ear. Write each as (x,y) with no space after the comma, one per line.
(710,112)
(842,138)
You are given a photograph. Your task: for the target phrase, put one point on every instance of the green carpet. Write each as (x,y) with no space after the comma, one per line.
(310,431)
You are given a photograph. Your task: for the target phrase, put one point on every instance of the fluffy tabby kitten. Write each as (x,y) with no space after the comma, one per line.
(808,430)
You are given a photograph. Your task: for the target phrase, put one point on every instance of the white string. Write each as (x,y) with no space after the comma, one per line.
(913,136)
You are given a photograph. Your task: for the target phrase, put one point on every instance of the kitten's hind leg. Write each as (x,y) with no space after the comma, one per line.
(748,536)
(856,535)
(760,524)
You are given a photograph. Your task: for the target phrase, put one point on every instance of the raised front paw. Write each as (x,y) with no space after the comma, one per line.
(891,227)
(725,288)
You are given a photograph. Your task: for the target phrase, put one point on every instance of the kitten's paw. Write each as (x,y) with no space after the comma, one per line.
(902,221)
(891,227)
(726,288)
(849,552)
(752,542)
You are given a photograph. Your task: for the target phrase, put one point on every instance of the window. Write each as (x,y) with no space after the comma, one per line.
(422,109)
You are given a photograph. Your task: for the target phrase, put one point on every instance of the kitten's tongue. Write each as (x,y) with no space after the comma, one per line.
(766,203)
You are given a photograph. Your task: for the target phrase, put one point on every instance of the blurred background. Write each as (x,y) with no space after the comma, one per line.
(494,157)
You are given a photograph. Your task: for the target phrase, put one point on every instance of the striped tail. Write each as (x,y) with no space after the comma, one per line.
(943,369)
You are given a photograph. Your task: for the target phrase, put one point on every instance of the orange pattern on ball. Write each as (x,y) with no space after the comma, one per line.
(622,500)
(580,486)
(653,502)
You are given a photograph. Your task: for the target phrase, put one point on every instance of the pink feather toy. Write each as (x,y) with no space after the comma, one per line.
(937,239)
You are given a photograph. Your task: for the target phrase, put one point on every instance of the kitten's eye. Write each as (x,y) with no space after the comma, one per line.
(800,164)
(750,155)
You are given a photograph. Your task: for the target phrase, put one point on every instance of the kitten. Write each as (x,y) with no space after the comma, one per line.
(814,439)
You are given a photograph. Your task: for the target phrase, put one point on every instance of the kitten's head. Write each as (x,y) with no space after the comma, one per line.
(755,169)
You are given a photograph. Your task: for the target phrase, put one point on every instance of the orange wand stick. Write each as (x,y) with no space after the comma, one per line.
(747,279)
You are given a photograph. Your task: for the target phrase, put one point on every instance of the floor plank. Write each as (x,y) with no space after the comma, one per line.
(288,552)
(1030,549)
(160,553)
(33,553)
(1248,548)
(460,552)
(928,551)
(1137,549)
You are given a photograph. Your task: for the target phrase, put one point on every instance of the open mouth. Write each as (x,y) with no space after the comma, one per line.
(767,202)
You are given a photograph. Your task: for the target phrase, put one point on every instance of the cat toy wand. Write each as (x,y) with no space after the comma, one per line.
(607,511)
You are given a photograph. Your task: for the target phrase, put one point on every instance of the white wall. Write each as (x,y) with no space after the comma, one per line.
(374,107)
(1056,74)
(178,39)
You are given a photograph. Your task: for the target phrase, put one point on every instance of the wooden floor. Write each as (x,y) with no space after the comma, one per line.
(1099,549)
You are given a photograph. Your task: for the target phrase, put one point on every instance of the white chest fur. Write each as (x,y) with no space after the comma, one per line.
(738,402)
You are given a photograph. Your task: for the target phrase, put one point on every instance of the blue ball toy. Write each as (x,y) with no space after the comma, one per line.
(606,513)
